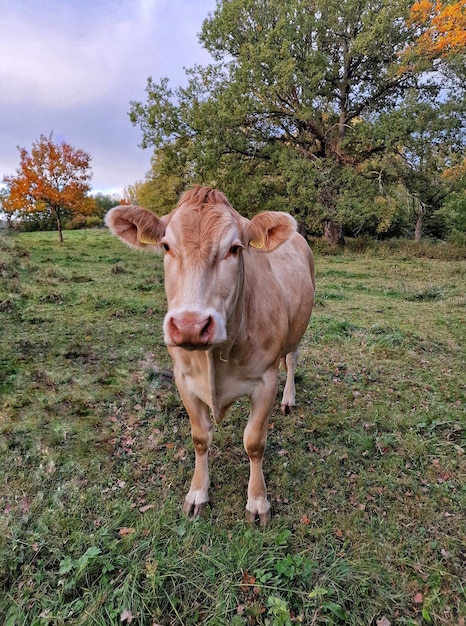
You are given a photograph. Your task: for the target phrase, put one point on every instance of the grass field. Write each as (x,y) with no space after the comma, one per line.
(366,478)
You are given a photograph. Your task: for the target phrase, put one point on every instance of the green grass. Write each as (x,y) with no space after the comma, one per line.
(366,478)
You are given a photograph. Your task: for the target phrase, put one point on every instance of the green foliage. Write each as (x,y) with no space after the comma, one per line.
(312,109)
(167,179)
(103,203)
(366,477)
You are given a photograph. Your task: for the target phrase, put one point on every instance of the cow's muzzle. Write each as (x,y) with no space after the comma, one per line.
(191,330)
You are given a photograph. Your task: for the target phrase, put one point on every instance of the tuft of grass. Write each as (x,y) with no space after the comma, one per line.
(366,478)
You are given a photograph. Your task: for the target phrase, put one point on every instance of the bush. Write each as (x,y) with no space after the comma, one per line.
(452,250)
(84,221)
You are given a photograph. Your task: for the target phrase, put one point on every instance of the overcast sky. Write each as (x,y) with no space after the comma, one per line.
(72,67)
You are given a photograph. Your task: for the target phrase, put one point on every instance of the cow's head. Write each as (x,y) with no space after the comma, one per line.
(203,240)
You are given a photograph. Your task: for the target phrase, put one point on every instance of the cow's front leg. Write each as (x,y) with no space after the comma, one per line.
(201,432)
(255,438)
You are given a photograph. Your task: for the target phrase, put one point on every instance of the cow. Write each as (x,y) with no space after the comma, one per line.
(240,294)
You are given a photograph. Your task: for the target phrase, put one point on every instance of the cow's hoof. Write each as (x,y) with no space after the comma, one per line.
(192,509)
(287,408)
(264,518)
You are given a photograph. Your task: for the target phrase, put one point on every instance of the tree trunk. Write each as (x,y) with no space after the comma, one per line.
(60,233)
(418,227)
(303,229)
(333,233)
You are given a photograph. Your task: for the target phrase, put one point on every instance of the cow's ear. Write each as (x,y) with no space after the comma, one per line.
(269,229)
(135,226)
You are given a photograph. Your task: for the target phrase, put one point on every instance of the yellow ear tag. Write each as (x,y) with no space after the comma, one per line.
(144,239)
(256,244)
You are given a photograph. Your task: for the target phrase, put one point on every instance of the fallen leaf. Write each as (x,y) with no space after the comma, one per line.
(418,598)
(248,581)
(383,621)
(180,454)
(126,531)
(147,507)
(305,520)
(240,609)
(126,616)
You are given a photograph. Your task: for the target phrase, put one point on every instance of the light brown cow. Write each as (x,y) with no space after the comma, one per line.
(240,294)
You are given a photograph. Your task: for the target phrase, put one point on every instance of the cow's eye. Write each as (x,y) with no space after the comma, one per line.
(166,247)
(234,249)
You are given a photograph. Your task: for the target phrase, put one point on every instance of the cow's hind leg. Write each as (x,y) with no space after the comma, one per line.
(255,438)
(289,393)
(201,432)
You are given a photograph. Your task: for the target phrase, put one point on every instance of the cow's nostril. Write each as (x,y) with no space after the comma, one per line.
(205,330)
(173,325)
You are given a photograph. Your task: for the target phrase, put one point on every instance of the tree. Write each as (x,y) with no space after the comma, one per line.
(104,202)
(311,106)
(292,81)
(53,179)
(167,179)
(443,27)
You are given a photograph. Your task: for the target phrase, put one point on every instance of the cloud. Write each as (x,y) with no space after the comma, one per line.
(73,59)
(73,67)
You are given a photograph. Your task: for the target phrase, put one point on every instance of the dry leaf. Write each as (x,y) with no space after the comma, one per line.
(126,531)
(147,507)
(126,616)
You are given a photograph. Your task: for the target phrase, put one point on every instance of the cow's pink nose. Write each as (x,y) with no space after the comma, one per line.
(191,329)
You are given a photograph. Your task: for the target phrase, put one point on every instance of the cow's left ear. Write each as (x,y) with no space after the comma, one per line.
(269,229)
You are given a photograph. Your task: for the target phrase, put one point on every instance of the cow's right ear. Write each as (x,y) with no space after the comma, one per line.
(135,226)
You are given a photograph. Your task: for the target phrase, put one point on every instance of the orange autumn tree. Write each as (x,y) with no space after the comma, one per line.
(442,38)
(54,178)
(443,26)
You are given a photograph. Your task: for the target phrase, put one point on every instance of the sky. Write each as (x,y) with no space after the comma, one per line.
(72,67)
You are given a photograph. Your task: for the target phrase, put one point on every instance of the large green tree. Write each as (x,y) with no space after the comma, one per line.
(299,107)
